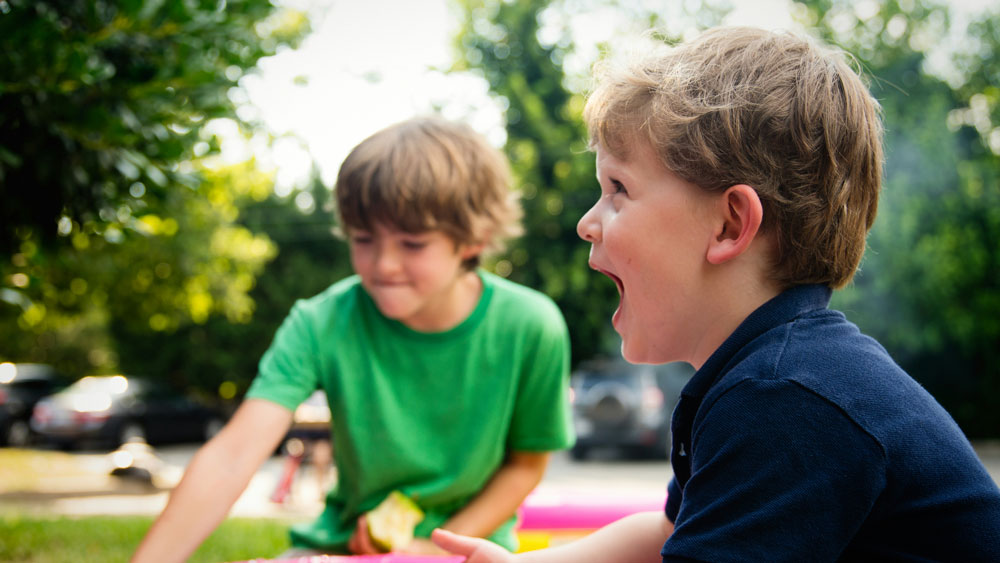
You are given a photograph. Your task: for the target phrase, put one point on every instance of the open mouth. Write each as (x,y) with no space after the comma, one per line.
(614,278)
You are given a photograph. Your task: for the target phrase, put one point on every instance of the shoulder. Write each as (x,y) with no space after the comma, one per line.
(821,351)
(823,358)
(514,296)
(335,297)
(516,305)
(330,310)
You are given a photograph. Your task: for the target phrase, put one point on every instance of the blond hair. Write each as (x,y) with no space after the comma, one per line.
(425,174)
(770,110)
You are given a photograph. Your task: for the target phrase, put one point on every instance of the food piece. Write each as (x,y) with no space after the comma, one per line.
(392,522)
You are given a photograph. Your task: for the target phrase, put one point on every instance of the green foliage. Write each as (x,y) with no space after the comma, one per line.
(99,539)
(219,354)
(114,218)
(546,144)
(103,99)
(165,270)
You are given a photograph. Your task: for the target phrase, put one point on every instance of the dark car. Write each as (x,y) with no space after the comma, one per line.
(21,386)
(625,406)
(111,410)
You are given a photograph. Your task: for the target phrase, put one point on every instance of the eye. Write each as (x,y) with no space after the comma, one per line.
(617,187)
(414,244)
(361,238)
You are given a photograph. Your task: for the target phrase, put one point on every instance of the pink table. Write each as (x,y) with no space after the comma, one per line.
(546,518)
(386,558)
(549,518)
(550,510)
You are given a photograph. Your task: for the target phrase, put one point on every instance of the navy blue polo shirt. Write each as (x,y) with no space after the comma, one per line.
(801,440)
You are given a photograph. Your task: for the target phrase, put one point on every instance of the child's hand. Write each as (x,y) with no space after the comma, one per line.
(360,542)
(423,546)
(476,550)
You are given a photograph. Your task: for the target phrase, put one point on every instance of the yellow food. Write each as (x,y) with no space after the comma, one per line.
(392,522)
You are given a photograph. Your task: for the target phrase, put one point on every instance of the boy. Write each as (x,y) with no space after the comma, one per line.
(444,382)
(739,176)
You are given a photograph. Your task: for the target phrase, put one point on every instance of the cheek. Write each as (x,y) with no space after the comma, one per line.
(624,244)
(360,259)
(425,268)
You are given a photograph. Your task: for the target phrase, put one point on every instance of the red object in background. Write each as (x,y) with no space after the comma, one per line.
(284,486)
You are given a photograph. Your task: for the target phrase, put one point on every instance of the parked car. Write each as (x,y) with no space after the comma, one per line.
(115,409)
(625,406)
(21,386)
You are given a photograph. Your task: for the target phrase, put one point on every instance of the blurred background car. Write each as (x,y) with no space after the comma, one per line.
(115,409)
(21,386)
(625,406)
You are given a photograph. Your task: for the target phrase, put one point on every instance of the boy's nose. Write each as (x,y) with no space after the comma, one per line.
(386,260)
(589,228)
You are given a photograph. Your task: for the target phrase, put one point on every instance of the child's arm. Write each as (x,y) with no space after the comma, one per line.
(495,503)
(637,539)
(214,480)
(502,495)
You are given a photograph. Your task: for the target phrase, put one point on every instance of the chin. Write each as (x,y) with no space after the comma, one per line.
(393,312)
(633,356)
(639,355)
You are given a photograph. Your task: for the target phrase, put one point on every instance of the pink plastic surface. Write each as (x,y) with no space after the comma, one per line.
(557,511)
(386,558)
(542,510)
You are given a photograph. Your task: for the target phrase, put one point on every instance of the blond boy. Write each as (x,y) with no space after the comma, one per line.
(739,177)
(444,382)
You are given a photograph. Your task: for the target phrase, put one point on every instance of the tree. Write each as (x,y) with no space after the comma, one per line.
(546,144)
(114,218)
(103,100)
(181,266)
(219,356)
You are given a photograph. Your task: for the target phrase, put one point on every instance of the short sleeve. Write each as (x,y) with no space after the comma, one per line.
(288,372)
(542,419)
(777,474)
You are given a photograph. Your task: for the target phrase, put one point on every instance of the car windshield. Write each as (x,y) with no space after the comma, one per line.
(14,373)
(97,393)
(114,385)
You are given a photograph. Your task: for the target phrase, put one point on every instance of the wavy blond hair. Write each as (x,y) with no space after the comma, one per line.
(771,110)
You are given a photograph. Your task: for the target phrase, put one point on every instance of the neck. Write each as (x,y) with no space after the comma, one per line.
(455,307)
(734,303)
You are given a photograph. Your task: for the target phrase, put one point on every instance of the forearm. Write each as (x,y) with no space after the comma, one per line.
(637,538)
(502,495)
(196,507)
(213,481)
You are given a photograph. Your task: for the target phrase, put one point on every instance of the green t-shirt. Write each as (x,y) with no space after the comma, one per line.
(429,414)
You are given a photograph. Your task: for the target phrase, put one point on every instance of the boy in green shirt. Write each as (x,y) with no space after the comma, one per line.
(445,382)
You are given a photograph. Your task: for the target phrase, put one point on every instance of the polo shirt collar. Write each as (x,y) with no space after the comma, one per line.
(784,307)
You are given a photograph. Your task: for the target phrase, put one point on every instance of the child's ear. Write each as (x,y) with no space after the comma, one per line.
(471,250)
(740,215)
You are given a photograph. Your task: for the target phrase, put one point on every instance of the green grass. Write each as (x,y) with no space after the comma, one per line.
(29,538)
